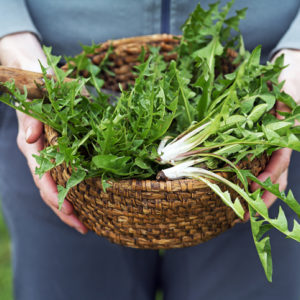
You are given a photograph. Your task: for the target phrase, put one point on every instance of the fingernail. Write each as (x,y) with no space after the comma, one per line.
(28,133)
(80,230)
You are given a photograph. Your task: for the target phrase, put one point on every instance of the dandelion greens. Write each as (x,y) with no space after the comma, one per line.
(188,118)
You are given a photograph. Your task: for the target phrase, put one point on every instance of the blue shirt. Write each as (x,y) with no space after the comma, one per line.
(65,24)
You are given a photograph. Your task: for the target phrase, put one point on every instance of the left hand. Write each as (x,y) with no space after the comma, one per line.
(23,51)
(277,168)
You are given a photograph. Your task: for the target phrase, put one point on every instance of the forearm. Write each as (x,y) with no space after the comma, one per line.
(22,50)
(291,74)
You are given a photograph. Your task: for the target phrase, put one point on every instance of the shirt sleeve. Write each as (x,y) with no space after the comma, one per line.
(291,39)
(15,18)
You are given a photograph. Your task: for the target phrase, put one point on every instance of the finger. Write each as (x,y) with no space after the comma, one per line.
(280,106)
(50,196)
(46,185)
(48,191)
(291,85)
(277,165)
(30,128)
(71,220)
(268,197)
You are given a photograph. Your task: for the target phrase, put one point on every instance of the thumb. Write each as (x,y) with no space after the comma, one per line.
(32,128)
(281,107)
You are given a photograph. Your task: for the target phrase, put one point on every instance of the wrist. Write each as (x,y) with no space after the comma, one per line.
(291,73)
(23,51)
(290,55)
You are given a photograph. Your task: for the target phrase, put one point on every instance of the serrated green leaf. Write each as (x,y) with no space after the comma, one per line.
(112,163)
(62,194)
(141,164)
(274,189)
(76,177)
(225,196)
(262,245)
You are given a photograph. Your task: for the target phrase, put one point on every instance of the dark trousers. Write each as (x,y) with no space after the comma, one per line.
(52,261)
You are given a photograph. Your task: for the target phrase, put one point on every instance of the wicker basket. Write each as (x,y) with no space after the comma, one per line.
(148,214)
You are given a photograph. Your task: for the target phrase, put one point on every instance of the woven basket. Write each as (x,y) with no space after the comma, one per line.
(148,214)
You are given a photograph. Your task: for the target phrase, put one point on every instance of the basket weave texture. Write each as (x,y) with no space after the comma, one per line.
(148,214)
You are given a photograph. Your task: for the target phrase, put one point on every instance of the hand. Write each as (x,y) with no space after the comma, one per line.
(23,51)
(277,168)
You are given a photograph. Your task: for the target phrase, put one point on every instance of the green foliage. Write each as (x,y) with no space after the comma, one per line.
(260,220)
(6,290)
(217,118)
(225,196)
(263,246)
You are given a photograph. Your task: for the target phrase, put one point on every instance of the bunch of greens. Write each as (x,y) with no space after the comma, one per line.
(214,119)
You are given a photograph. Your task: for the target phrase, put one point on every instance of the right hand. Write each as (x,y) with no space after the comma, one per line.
(277,168)
(22,50)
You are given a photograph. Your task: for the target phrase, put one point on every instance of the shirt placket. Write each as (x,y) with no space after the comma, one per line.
(152,16)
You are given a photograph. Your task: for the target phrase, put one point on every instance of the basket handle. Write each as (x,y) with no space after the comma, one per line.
(33,81)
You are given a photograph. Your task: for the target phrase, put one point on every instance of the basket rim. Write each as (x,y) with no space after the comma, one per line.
(152,185)
(182,184)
